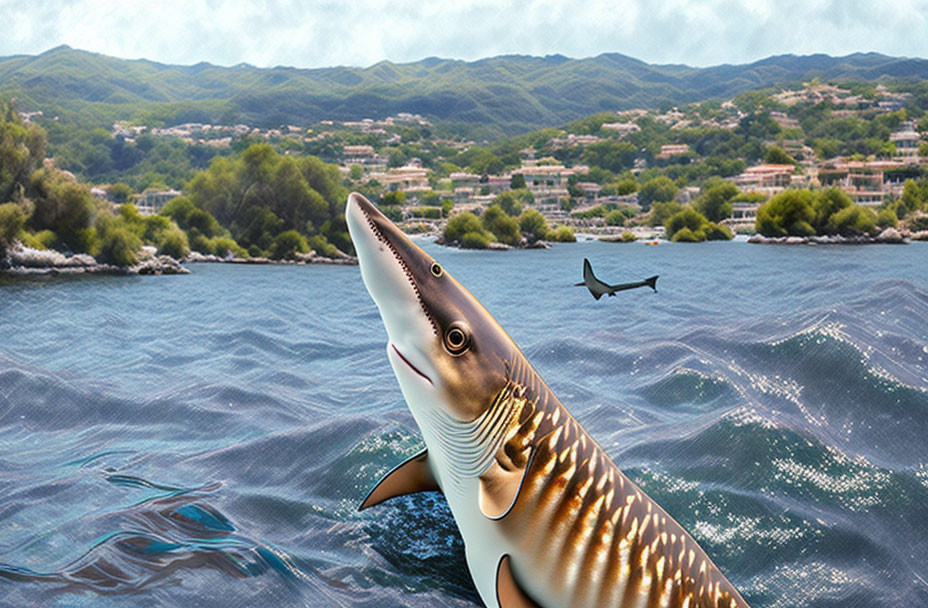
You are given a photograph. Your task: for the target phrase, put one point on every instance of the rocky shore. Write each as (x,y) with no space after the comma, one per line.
(196,257)
(25,261)
(888,236)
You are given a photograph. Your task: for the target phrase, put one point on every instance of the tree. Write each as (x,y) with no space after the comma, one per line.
(288,244)
(776,155)
(533,225)
(503,226)
(687,218)
(461,224)
(563,234)
(788,213)
(120,193)
(393,198)
(118,244)
(853,220)
(658,190)
(12,220)
(174,243)
(63,206)
(826,204)
(661,212)
(610,155)
(626,187)
(509,202)
(518,181)
(886,218)
(715,203)
(22,151)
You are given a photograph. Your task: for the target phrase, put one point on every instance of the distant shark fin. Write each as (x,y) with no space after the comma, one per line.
(508,592)
(414,475)
(499,488)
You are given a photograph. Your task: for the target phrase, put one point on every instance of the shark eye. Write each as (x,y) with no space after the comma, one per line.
(457,339)
(436,269)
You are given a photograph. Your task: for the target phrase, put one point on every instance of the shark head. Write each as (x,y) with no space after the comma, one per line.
(446,350)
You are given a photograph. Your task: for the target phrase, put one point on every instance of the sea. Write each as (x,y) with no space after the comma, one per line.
(205,440)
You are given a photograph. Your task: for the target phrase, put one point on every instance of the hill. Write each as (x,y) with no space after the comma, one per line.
(514,93)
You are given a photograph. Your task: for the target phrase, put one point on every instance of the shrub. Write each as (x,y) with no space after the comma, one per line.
(628,237)
(461,224)
(118,245)
(255,252)
(685,235)
(12,220)
(658,190)
(503,227)
(509,202)
(200,243)
(687,218)
(717,232)
(564,235)
(886,218)
(853,220)
(533,225)
(787,213)
(154,227)
(173,242)
(287,244)
(475,240)
(322,247)
(826,204)
(715,202)
(918,222)
(661,212)
(223,246)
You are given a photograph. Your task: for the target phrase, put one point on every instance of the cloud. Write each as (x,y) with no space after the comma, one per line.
(324,33)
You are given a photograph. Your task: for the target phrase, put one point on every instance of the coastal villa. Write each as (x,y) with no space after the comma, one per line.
(743,215)
(906,140)
(767,179)
(784,121)
(622,128)
(411,179)
(671,150)
(364,157)
(574,141)
(867,183)
(150,202)
(547,183)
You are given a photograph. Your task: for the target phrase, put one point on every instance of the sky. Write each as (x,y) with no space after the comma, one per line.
(363,32)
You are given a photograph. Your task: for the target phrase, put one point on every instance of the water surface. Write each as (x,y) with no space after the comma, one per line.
(205,439)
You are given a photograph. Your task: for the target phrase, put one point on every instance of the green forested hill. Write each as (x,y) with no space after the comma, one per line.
(513,93)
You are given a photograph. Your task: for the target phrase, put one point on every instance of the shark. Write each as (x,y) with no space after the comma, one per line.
(548,520)
(599,289)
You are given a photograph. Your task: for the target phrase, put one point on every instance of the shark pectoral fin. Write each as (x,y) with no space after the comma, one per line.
(499,488)
(414,475)
(508,592)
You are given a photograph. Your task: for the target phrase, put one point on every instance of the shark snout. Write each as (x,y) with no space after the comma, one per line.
(380,246)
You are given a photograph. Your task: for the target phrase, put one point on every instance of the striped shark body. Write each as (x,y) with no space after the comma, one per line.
(547,518)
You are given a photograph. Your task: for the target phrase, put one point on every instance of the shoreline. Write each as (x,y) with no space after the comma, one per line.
(24,261)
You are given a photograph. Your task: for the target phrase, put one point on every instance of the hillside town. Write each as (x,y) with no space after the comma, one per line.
(763,143)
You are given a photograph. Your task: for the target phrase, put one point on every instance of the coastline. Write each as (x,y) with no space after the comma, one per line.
(22,261)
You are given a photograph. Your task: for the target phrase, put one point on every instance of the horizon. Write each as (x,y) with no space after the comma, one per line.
(279,33)
(457,59)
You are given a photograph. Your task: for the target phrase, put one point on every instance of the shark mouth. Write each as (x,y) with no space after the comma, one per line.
(380,236)
(411,366)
